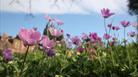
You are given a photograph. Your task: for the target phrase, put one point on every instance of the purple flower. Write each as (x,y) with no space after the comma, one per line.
(106,13)
(76,40)
(29,36)
(68,44)
(7,54)
(80,49)
(114,38)
(106,36)
(125,23)
(50,53)
(131,34)
(68,35)
(109,25)
(84,36)
(115,28)
(94,37)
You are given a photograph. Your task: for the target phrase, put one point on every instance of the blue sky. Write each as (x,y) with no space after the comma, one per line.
(75,22)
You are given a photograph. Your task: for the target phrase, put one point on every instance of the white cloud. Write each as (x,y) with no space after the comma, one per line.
(64,6)
(119,6)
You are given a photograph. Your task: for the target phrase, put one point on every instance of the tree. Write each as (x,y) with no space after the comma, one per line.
(133,10)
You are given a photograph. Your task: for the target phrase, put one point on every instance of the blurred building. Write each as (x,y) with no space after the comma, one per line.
(15,44)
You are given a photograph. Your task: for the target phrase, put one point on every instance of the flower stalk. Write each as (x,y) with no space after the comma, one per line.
(22,66)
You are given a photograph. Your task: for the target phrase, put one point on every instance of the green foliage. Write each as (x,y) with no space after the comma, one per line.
(117,61)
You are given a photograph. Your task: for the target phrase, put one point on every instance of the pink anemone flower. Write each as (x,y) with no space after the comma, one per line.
(106,13)
(47,43)
(106,36)
(125,23)
(54,32)
(29,36)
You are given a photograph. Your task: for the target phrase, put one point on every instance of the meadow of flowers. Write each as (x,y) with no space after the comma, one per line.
(62,55)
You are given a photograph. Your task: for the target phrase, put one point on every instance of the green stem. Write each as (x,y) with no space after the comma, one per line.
(24,60)
(106,30)
(105,25)
(109,31)
(137,31)
(99,58)
(112,56)
(124,37)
